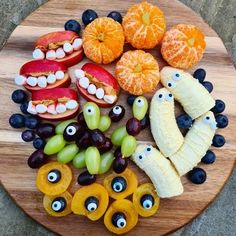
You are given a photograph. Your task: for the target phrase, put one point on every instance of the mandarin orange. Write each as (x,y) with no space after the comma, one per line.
(144,25)
(137,72)
(103,40)
(183,46)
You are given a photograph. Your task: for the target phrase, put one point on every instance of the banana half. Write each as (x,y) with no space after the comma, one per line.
(164,128)
(159,169)
(196,143)
(194,98)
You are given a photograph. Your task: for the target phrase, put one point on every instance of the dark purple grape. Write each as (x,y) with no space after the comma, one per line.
(37,159)
(85,178)
(45,130)
(98,139)
(107,146)
(81,119)
(133,126)
(117,152)
(120,164)
(72,131)
(84,141)
(145,122)
(28,135)
(117,113)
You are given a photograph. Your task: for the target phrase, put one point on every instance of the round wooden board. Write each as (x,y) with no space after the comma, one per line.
(19,179)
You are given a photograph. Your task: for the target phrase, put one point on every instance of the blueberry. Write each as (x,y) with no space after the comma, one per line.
(208,86)
(145,122)
(19,96)
(219,106)
(184,121)
(23,107)
(28,135)
(31,122)
(130,99)
(39,143)
(218,140)
(73,25)
(199,74)
(197,175)
(209,157)
(115,15)
(222,121)
(88,16)
(17,121)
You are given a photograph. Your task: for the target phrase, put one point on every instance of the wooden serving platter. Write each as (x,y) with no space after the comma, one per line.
(19,180)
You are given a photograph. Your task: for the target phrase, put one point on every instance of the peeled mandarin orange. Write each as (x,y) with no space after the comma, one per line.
(144,25)
(183,46)
(103,40)
(137,72)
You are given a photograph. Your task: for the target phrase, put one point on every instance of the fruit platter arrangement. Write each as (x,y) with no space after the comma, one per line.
(86,121)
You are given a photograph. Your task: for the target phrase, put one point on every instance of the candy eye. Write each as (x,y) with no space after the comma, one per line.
(171,84)
(54,176)
(139,102)
(70,130)
(160,97)
(148,149)
(169,97)
(58,204)
(207,119)
(119,220)
(176,77)
(117,110)
(89,110)
(147,201)
(91,204)
(140,156)
(118,184)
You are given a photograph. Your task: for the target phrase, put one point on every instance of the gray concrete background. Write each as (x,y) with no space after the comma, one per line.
(220,217)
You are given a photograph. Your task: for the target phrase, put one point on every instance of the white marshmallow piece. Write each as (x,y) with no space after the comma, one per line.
(77,44)
(60,108)
(51,55)
(32,81)
(59,75)
(20,80)
(31,108)
(60,53)
(41,108)
(51,109)
(109,99)
(100,93)
(84,82)
(67,47)
(38,54)
(72,104)
(51,79)
(79,73)
(92,89)
(42,81)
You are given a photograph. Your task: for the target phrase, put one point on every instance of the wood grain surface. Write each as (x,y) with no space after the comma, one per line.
(19,179)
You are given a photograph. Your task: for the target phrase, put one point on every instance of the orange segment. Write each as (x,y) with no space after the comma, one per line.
(183,46)
(103,40)
(144,25)
(137,72)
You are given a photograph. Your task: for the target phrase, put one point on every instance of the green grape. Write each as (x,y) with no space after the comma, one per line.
(79,160)
(106,162)
(91,113)
(140,107)
(67,153)
(92,160)
(104,123)
(54,145)
(62,125)
(117,135)
(128,146)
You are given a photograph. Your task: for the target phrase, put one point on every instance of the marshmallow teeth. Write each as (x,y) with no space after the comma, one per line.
(59,75)
(51,79)
(100,93)
(41,108)
(32,81)
(31,108)
(38,54)
(67,47)
(42,81)
(20,80)
(60,108)
(109,99)
(72,104)
(79,74)
(60,53)
(51,55)
(51,109)
(92,89)
(77,44)
(84,82)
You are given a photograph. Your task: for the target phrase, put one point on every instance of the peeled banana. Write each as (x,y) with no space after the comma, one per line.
(194,98)
(196,143)
(163,123)
(159,169)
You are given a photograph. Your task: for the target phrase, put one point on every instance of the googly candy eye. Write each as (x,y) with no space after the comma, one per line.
(91,204)
(90,110)
(91,114)
(171,84)
(58,204)
(119,220)
(148,149)
(117,113)
(140,156)
(169,97)
(207,120)
(147,201)
(70,130)
(160,97)
(176,76)
(54,176)
(119,184)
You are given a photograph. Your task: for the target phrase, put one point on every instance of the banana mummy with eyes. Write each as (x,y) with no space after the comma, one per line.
(164,128)
(194,98)
(196,143)
(159,169)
